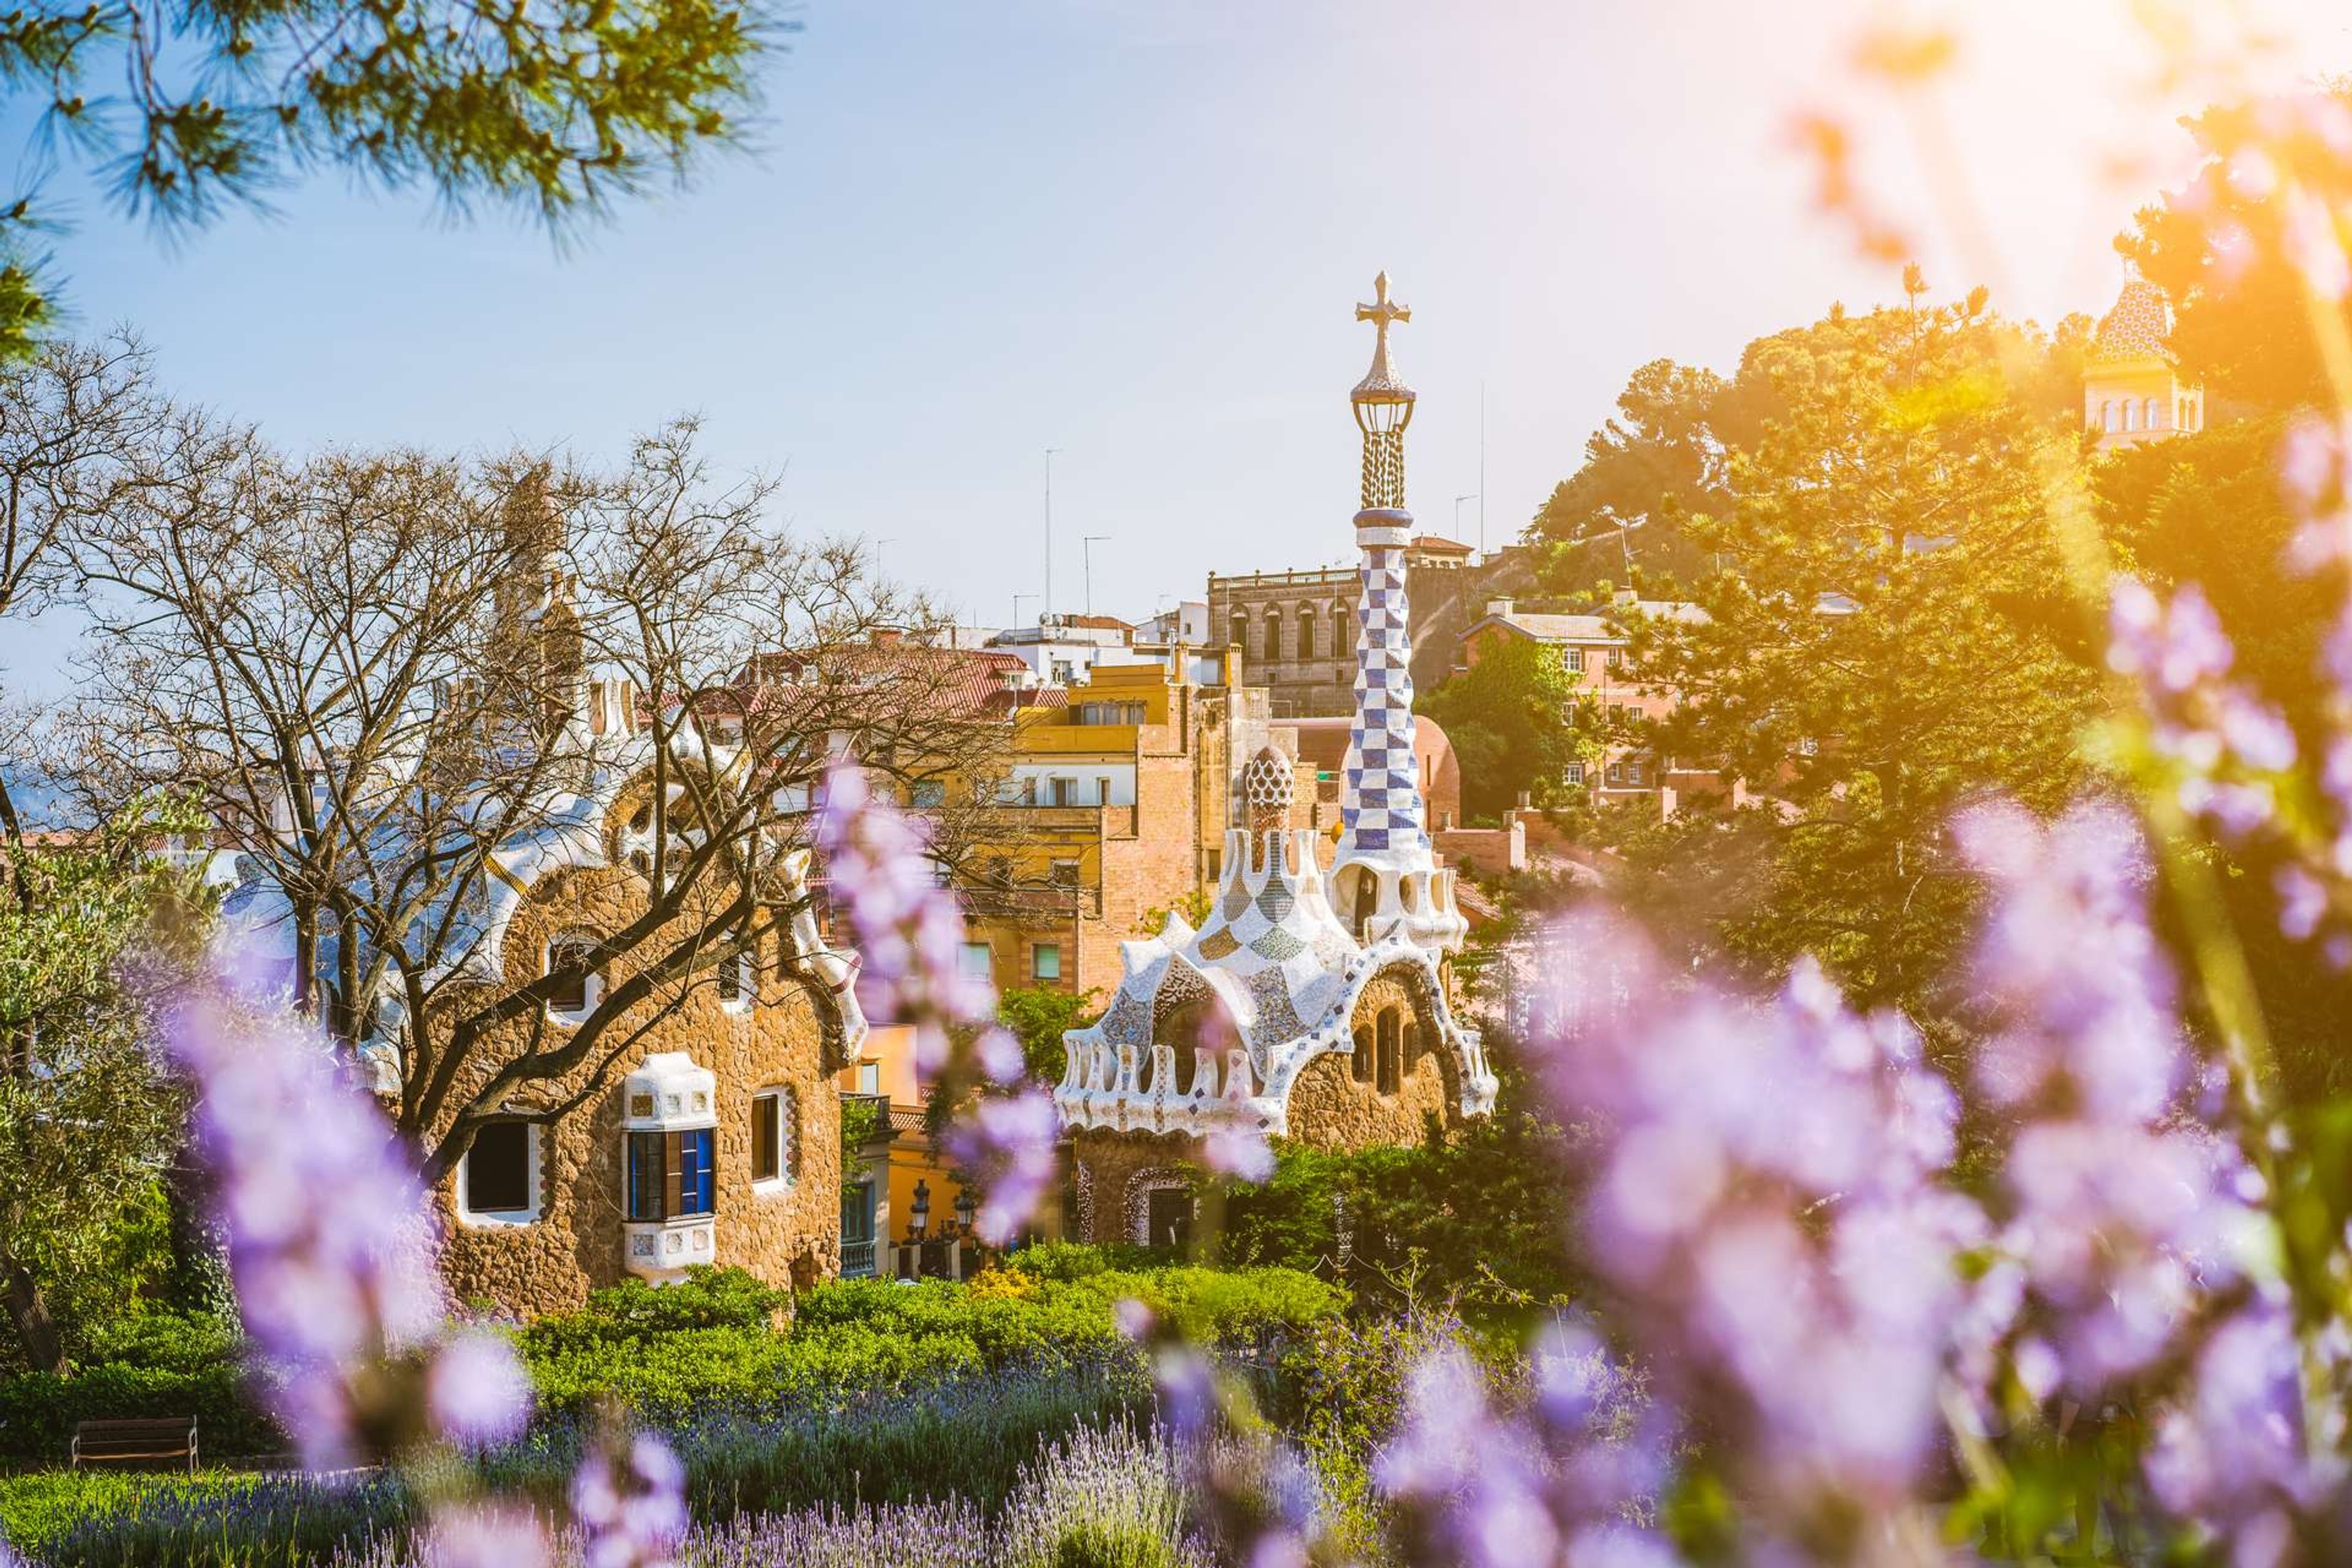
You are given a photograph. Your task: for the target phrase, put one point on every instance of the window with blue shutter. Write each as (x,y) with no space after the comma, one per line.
(672,1175)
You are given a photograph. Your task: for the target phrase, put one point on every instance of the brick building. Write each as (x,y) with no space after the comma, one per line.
(1296,630)
(1591,647)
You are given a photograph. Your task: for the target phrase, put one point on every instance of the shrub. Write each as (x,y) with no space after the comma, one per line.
(38,1411)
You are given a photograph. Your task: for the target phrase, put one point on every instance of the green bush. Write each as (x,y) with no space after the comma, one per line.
(1076,1259)
(38,1411)
(714,1350)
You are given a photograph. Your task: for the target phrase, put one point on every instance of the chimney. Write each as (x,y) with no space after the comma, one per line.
(1499,606)
(887,636)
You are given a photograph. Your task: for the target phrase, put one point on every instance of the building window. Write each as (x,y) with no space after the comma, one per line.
(1616,775)
(1574,776)
(869,1078)
(672,1175)
(927,795)
(2148,415)
(1063,873)
(1387,1052)
(1046,961)
(1574,658)
(499,1177)
(578,991)
(1102,790)
(775,1137)
(1063,791)
(1360,1066)
(1634,775)
(978,960)
(737,977)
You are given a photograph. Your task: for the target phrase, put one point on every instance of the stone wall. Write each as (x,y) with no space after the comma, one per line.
(1111,1162)
(787,1037)
(1330,1109)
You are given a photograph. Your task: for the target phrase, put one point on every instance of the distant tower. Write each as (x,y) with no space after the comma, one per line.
(1384,878)
(2132,387)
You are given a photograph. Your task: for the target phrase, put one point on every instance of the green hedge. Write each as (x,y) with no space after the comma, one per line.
(706,1343)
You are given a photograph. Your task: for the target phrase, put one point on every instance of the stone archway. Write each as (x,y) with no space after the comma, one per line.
(1172,1186)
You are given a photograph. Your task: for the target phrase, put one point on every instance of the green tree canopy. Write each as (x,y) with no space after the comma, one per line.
(554,106)
(93,933)
(1511,717)
(1890,636)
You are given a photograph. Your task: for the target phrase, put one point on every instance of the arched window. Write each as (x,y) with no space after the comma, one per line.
(2106,415)
(2150,416)
(1388,1043)
(1305,631)
(1360,1066)
(1273,632)
(1330,630)
(1237,631)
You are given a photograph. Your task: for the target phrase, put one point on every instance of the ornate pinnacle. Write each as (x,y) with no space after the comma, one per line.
(1383,405)
(1381,384)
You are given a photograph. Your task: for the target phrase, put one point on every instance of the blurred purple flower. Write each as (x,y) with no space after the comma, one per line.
(2231,1454)
(484,1537)
(479,1392)
(909,932)
(1007,1144)
(2175,649)
(1766,1202)
(328,1245)
(629,1499)
(2068,957)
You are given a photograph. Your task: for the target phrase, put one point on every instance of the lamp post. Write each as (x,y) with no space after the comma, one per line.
(919,1215)
(966,1205)
(1051,452)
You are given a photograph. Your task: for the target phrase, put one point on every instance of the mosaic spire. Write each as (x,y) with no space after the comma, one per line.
(1382,811)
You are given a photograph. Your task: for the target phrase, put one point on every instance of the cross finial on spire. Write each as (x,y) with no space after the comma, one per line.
(1381,384)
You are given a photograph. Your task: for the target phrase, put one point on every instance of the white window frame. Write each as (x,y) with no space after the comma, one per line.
(592,989)
(535,1173)
(788,1162)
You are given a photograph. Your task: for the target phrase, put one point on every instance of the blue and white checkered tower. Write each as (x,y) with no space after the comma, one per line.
(1385,879)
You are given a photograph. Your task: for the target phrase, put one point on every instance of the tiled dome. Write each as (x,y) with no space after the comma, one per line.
(2140,327)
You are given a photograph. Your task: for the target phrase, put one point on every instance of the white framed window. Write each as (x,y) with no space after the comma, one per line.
(499,1177)
(1616,775)
(1046,961)
(577,997)
(738,979)
(1634,774)
(775,1139)
(1573,775)
(1573,658)
(869,1078)
(977,961)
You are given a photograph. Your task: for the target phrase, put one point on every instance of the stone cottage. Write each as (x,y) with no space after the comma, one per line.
(703,1125)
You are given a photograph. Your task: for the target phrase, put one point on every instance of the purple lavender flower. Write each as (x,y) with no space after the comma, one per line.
(908,931)
(324,1216)
(1007,1143)
(485,1537)
(628,1497)
(479,1392)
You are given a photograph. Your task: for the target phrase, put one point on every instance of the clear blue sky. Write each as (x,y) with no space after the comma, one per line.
(1135,232)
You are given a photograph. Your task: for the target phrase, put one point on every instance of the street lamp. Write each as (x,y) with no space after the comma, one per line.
(918,1217)
(966,1205)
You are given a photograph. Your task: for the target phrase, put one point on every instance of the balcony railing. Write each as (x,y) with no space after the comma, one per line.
(858,1260)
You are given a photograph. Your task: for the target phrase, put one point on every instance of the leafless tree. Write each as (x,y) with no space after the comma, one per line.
(397,680)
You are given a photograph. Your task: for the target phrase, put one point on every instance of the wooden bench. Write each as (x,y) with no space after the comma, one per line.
(135,1442)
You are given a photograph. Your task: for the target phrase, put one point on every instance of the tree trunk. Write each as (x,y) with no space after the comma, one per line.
(35,1329)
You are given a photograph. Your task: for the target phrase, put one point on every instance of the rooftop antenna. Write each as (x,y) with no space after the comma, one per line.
(1482,468)
(1050,453)
(1016,605)
(1087,550)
